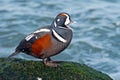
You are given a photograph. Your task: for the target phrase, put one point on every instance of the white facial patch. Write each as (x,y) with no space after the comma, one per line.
(42,30)
(67,20)
(58,36)
(58,20)
(55,24)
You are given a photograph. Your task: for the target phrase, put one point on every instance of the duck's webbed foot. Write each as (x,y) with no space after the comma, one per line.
(50,63)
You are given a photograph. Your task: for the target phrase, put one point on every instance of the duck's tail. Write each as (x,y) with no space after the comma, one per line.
(13,54)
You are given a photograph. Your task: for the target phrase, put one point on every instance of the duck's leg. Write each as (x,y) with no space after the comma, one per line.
(49,59)
(49,62)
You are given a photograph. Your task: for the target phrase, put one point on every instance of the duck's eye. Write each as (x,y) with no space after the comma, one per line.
(58,20)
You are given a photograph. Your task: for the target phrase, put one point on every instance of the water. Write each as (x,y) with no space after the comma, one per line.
(96,40)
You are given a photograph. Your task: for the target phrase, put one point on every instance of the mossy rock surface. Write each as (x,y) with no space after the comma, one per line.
(18,69)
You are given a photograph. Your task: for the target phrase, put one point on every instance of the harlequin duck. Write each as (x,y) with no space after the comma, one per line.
(47,41)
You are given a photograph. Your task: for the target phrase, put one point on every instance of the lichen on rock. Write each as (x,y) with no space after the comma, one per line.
(18,69)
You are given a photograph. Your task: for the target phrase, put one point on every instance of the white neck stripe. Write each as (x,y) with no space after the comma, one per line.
(58,36)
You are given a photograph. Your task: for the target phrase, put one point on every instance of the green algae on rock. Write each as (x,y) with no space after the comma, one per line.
(18,69)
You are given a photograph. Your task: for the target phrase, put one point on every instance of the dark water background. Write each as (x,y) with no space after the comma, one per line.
(96,40)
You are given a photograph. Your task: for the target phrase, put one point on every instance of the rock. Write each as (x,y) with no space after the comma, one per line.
(18,69)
